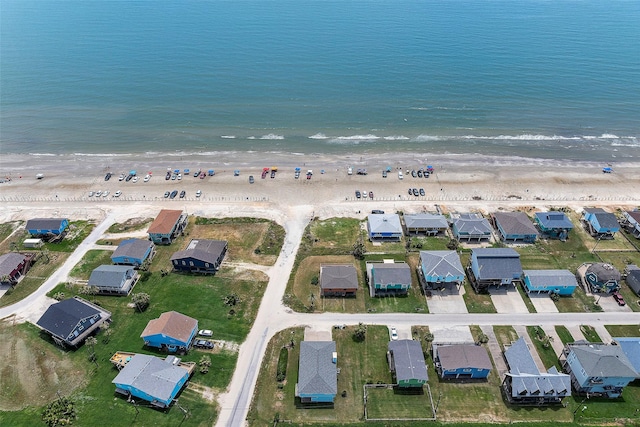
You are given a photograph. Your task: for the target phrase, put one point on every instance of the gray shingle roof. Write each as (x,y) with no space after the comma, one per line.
(497,263)
(387,273)
(110,276)
(554,219)
(631,348)
(605,219)
(408,360)
(551,277)
(515,223)
(604,272)
(633,280)
(44,224)
(317,372)
(441,263)
(338,276)
(384,223)
(458,356)
(62,317)
(203,250)
(603,360)
(635,215)
(425,220)
(151,375)
(8,262)
(472,224)
(132,248)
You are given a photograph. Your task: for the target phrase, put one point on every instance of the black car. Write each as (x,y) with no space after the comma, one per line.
(107,177)
(410,191)
(415,192)
(422,191)
(166,194)
(182,194)
(413,173)
(358,195)
(420,173)
(173,194)
(203,344)
(377,211)
(128,178)
(251,180)
(167,176)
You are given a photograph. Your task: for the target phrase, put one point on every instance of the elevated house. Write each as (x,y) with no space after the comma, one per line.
(134,252)
(171,332)
(167,226)
(600,223)
(598,370)
(515,227)
(384,227)
(113,279)
(152,379)
(524,384)
(425,223)
(388,278)
(632,222)
(441,268)
(461,361)
(317,372)
(338,280)
(200,256)
(407,365)
(633,278)
(631,348)
(554,224)
(471,226)
(493,267)
(13,267)
(71,321)
(47,228)
(601,277)
(561,282)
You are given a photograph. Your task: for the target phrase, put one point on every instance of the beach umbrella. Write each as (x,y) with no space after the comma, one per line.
(298,169)
(186,171)
(176,171)
(132,172)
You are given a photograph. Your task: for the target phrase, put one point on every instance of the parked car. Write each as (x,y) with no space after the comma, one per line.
(121,177)
(166,194)
(196,174)
(179,177)
(205,332)
(167,176)
(394,334)
(203,344)
(416,192)
(107,177)
(135,179)
(377,211)
(98,193)
(198,193)
(399,174)
(105,193)
(364,194)
(413,173)
(273,173)
(174,176)
(173,194)
(147,177)
(90,193)
(410,191)
(128,178)
(358,195)
(618,298)
(236,172)
(202,175)
(182,194)
(117,193)
(251,180)
(371,194)
(384,174)
(420,173)
(421,191)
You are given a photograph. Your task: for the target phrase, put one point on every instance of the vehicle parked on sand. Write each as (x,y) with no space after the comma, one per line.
(358,194)
(107,177)
(166,194)
(117,193)
(182,194)
(251,180)
(173,194)
(203,344)
(198,193)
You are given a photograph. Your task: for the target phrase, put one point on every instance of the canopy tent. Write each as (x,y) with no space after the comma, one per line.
(132,172)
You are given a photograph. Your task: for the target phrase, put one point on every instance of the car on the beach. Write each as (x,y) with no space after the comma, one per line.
(236,172)
(128,178)
(182,194)
(179,177)
(420,173)
(251,180)
(147,177)
(377,211)
(421,191)
(410,191)
(413,173)
(618,298)
(273,173)
(173,194)
(371,194)
(174,176)
(365,193)
(202,175)
(166,194)
(394,334)
(98,193)
(198,193)
(205,332)
(121,177)
(117,193)
(107,177)
(416,192)
(167,176)
(400,175)
(203,344)
(105,193)
(135,179)
(90,193)
(384,174)
(358,195)
(197,173)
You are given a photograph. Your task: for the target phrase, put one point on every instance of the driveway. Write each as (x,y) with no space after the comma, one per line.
(451,334)
(507,299)
(543,303)
(448,300)
(317,334)
(607,303)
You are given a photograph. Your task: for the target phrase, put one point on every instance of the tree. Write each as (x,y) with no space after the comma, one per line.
(483,338)
(59,412)
(428,337)
(58,296)
(141,301)
(453,244)
(91,346)
(106,332)
(359,249)
(546,341)
(360,332)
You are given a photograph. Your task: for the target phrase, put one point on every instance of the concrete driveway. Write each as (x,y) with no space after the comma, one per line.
(607,303)
(448,300)
(507,300)
(543,303)
(451,334)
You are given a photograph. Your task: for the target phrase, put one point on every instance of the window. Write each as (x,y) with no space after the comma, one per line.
(206,264)
(191,263)
(184,263)
(466,370)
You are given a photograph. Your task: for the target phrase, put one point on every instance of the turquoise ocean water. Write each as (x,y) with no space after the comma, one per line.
(540,79)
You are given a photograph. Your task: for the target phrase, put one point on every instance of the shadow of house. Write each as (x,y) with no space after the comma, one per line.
(167,226)
(425,223)
(600,223)
(561,282)
(172,332)
(470,226)
(524,384)
(13,267)
(598,370)
(71,321)
(200,256)
(113,279)
(515,227)
(493,267)
(554,225)
(317,372)
(388,278)
(461,361)
(47,228)
(338,280)
(407,365)
(133,252)
(440,269)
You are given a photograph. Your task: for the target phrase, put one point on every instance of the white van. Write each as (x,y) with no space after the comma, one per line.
(399,174)
(350,171)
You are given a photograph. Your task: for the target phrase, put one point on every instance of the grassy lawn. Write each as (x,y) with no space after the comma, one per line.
(78,231)
(431,243)
(527,301)
(91,260)
(505,335)
(331,236)
(387,403)
(564,334)
(623,330)
(132,224)
(6,230)
(579,302)
(601,411)
(477,303)
(35,277)
(590,333)
(544,348)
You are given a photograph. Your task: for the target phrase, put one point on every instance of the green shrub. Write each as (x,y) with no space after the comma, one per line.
(283,360)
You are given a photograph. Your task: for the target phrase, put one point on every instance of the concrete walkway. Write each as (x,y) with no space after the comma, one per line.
(495,350)
(576,332)
(605,336)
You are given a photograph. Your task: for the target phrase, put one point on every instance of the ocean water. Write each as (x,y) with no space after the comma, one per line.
(532,78)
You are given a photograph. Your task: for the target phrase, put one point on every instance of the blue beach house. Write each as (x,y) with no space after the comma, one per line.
(152,379)
(554,224)
(602,277)
(459,361)
(515,227)
(167,226)
(133,252)
(317,372)
(494,267)
(171,332)
(200,256)
(388,278)
(561,282)
(631,348)
(601,224)
(46,227)
(113,279)
(598,370)
(471,226)
(439,268)
(384,227)
(632,219)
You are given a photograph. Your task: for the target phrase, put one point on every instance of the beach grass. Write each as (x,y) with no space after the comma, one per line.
(505,335)
(77,232)
(394,405)
(91,260)
(564,334)
(578,302)
(590,333)
(130,225)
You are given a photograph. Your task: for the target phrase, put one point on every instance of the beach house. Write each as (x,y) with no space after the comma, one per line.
(200,256)
(134,252)
(384,227)
(461,361)
(167,226)
(388,278)
(425,223)
(601,277)
(47,228)
(338,280)
(632,277)
(171,332)
(598,370)
(561,282)
(471,226)
(406,363)
(113,279)
(515,227)
(317,372)
(493,267)
(13,267)
(525,384)
(554,224)
(599,223)
(440,269)
(632,222)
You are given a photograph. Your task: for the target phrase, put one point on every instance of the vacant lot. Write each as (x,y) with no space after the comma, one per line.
(392,404)
(92,259)
(132,224)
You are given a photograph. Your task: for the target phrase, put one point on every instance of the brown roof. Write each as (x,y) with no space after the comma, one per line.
(635,215)
(457,356)
(173,324)
(165,221)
